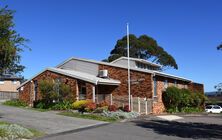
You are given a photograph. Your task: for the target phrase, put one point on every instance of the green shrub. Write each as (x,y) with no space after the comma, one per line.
(41,105)
(191,109)
(185,99)
(171,98)
(182,100)
(172,110)
(81,105)
(17,103)
(78,104)
(65,93)
(48,92)
(64,105)
(52,90)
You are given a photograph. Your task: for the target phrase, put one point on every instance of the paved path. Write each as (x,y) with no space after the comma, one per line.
(169,117)
(151,128)
(47,122)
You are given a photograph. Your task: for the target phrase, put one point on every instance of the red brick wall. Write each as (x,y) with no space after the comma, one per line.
(158,106)
(25,94)
(196,87)
(29,87)
(89,90)
(142,88)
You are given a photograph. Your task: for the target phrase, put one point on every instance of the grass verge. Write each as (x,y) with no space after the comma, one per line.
(35,132)
(19,104)
(89,116)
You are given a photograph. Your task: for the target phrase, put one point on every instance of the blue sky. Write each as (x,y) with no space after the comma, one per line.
(190,30)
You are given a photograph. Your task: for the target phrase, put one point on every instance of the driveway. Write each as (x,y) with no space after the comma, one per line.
(48,122)
(153,128)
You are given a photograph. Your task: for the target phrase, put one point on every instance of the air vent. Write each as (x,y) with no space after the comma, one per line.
(103,73)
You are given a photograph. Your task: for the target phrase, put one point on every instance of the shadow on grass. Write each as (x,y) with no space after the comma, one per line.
(184,130)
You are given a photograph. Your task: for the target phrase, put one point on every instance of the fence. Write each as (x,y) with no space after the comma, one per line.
(8,95)
(141,105)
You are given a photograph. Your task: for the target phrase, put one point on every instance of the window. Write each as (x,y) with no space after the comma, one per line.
(165,84)
(57,84)
(2,82)
(208,107)
(175,83)
(154,87)
(35,89)
(14,82)
(82,91)
(216,107)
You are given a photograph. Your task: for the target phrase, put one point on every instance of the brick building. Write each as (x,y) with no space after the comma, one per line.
(101,81)
(9,83)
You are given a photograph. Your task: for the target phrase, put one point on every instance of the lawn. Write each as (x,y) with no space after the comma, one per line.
(16,103)
(89,116)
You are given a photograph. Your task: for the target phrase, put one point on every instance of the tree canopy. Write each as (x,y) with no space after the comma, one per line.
(218,87)
(11,44)
(219,47)
(143,47)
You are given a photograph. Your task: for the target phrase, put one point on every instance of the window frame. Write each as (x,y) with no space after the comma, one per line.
(175,83)
(14,82)
(2,82)
(81,95)
(166,84)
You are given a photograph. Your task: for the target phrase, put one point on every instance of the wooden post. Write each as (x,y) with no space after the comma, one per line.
(111,99)
(97,92)
(131,102)
(77,91)
(94,93)
(146,106)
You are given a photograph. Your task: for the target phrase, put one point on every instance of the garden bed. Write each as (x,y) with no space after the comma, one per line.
(107,116)
(13,131)
(89,116)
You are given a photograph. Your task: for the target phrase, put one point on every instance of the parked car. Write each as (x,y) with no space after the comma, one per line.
(213,109)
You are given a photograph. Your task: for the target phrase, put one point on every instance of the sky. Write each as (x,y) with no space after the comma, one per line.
(189,30)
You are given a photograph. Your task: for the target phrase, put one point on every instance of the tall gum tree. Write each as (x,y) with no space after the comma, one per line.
(11,44)
(143,47)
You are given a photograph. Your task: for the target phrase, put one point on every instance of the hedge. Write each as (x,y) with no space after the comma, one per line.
(182,100)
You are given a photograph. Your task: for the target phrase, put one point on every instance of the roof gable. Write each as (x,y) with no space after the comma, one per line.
(137,60)
(154,72)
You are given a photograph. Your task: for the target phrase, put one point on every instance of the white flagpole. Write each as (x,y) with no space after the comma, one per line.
(127,28)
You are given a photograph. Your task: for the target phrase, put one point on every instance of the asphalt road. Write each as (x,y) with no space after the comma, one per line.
(152,128)
(47,122)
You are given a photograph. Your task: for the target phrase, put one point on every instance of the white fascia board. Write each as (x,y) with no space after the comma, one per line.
(171,76)
(60,72)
